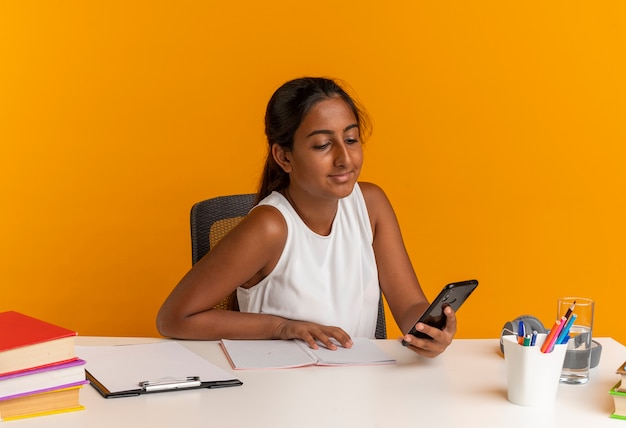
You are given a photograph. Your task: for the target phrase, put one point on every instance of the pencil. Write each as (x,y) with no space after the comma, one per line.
(569,311)
(565,330)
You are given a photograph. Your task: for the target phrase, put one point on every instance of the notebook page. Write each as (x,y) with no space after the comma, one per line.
(265,354)
(363,352)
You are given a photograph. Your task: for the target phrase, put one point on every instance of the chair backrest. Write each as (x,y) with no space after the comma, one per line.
(213,218)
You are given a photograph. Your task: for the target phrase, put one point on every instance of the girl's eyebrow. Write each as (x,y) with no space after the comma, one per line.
(329,132)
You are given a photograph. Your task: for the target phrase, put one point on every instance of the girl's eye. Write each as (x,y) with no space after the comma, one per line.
(321,146)
(351,140)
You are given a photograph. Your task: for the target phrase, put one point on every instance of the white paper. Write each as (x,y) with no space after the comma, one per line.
(123,367)
(363,351)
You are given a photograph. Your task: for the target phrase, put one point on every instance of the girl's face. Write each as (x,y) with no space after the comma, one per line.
(327,154)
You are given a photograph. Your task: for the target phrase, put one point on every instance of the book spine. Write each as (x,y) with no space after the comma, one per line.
(41,391)
(53,412)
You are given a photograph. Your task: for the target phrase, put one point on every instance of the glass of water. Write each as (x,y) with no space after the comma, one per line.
(578,355)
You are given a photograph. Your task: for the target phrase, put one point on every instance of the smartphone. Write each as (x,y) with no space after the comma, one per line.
(452,295)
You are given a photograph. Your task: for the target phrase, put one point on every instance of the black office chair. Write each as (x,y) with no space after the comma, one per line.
(213,218)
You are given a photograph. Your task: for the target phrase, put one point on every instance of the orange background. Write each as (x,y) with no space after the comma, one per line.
(499,136)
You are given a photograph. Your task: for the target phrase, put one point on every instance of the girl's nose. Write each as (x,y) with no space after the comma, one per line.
(341,154)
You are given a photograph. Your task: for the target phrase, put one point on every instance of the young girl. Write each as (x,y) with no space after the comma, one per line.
(309,260)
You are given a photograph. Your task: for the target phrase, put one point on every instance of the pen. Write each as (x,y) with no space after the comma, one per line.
(527,340)
(549,342)
(533,339)
(521,332)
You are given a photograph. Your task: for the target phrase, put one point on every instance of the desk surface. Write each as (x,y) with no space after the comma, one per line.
(464,386)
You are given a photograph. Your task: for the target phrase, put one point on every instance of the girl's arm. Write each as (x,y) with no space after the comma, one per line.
(242,258)
(397,277)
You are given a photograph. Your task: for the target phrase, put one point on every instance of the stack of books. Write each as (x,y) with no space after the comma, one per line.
(40,373)
(618,392)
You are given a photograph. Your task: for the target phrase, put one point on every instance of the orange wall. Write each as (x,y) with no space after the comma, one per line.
(499,136)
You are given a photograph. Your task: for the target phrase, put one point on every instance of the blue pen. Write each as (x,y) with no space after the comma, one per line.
(533,339)
(521,332)
(565,331)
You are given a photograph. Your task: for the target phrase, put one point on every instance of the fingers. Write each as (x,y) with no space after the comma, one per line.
(310,341)
(314,334)
(425,347)
(330,337)
(441,339)
(450,320)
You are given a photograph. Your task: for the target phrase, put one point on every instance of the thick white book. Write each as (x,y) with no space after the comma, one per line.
(282,354)
(42,379)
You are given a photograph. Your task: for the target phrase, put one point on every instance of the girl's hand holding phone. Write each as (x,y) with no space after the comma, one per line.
(436,341)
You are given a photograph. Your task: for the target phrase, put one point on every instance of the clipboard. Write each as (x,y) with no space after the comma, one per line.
(132,370)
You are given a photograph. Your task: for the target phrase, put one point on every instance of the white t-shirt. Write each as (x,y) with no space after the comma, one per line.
(330,280)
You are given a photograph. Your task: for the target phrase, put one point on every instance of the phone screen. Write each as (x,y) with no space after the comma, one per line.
(452,295)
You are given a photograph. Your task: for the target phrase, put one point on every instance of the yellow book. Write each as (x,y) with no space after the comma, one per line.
(44,403)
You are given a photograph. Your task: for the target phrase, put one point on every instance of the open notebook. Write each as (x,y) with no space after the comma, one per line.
(281,354)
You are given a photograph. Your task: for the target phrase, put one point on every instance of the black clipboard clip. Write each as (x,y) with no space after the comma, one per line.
(170,383)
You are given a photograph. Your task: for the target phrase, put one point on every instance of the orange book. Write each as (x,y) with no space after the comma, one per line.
(27,342)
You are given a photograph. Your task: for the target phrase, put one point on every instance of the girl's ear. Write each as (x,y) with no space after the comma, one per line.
(282,157)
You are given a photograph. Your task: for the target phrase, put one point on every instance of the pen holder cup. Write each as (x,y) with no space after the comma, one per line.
(532,376)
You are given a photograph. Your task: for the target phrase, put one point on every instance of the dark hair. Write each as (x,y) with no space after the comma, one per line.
(285,112)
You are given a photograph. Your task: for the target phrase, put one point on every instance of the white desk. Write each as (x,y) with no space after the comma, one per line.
(466,386)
